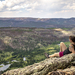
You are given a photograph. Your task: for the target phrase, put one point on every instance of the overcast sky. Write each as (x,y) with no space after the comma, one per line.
(37,8)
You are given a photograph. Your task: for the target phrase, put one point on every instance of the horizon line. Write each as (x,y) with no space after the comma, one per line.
(35,17)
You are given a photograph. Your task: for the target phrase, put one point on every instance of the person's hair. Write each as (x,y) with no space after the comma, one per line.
(72,38)
(73,46)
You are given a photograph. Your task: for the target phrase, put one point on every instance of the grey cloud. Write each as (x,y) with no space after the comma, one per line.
(6,5)
(61,5)
(38,5)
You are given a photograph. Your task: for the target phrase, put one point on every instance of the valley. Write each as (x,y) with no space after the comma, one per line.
(31,43)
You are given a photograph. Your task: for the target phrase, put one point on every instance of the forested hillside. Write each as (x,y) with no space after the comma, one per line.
(30,38)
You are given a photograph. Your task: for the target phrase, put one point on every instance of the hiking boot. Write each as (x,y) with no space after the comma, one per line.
(46,55)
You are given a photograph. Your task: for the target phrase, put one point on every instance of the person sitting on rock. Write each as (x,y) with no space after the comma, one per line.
(63,49)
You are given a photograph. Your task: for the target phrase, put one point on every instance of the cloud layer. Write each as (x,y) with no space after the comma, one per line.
(37,8)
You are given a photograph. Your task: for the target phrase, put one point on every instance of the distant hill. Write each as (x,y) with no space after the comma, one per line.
(38,22)
(30,38)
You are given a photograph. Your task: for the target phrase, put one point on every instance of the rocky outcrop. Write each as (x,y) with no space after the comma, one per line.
(68,71)
(44,67)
